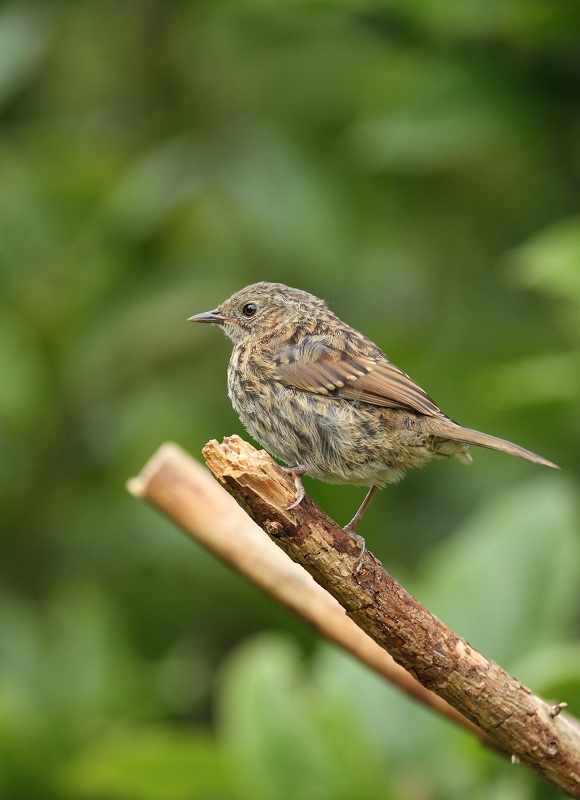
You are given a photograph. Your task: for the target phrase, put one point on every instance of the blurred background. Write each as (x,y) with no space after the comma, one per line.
(415,164)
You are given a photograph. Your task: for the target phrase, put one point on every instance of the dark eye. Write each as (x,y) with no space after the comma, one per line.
(249,309)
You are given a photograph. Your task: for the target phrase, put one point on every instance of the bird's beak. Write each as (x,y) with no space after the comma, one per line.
(209,316)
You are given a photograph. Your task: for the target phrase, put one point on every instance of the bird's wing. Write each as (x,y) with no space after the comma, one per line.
(329,365)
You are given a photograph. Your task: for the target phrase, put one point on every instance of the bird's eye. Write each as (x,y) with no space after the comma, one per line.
(249,309)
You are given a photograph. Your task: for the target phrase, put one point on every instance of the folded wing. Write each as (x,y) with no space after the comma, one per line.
(329,365)
(355,369)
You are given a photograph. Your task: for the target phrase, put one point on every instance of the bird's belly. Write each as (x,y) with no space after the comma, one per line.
(337,440)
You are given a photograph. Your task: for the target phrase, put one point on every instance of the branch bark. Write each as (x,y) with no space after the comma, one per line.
(451,677)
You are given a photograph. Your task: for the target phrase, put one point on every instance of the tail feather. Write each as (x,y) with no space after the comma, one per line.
(469,436)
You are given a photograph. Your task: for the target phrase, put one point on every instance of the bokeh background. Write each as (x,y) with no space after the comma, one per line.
(415,164)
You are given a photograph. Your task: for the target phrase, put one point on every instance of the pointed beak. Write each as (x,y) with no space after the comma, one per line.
(209,316)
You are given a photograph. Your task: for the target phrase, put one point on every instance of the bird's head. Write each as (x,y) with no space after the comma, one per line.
(259,309)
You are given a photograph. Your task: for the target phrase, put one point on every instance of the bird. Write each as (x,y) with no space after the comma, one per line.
(326,400)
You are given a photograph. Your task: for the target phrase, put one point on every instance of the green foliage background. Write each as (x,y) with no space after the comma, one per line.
(418,165)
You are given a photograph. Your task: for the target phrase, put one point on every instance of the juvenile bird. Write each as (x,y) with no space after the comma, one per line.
(322,397)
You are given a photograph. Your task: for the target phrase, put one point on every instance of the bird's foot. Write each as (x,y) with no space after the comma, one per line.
(353,524)
(359,540)
(297,472)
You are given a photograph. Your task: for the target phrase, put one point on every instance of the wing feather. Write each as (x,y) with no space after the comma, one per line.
(329,365)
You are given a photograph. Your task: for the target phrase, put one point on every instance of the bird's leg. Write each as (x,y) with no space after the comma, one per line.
(353,524)
(297,472)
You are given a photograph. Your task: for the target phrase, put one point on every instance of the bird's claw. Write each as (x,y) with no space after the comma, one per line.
(300,494)
(359,540)
(297,473)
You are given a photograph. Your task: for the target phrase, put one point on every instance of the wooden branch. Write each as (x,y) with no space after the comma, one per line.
(177,485)
(520,723)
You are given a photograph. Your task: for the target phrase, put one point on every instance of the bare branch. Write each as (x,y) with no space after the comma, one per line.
(483,696)
(186,492)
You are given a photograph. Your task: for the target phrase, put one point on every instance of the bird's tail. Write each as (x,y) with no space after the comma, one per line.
(469,436)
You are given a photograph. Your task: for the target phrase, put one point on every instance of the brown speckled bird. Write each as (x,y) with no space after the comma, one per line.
(322,397)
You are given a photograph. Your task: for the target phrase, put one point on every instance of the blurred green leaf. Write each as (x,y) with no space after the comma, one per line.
(63,674)
(283,739)
(521,22)
(548,261)
(25,386)
(553,672)
(507,580)
(152,763)
(542,378)
(25,33)
(153,189)
(71,666)
(449,116)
